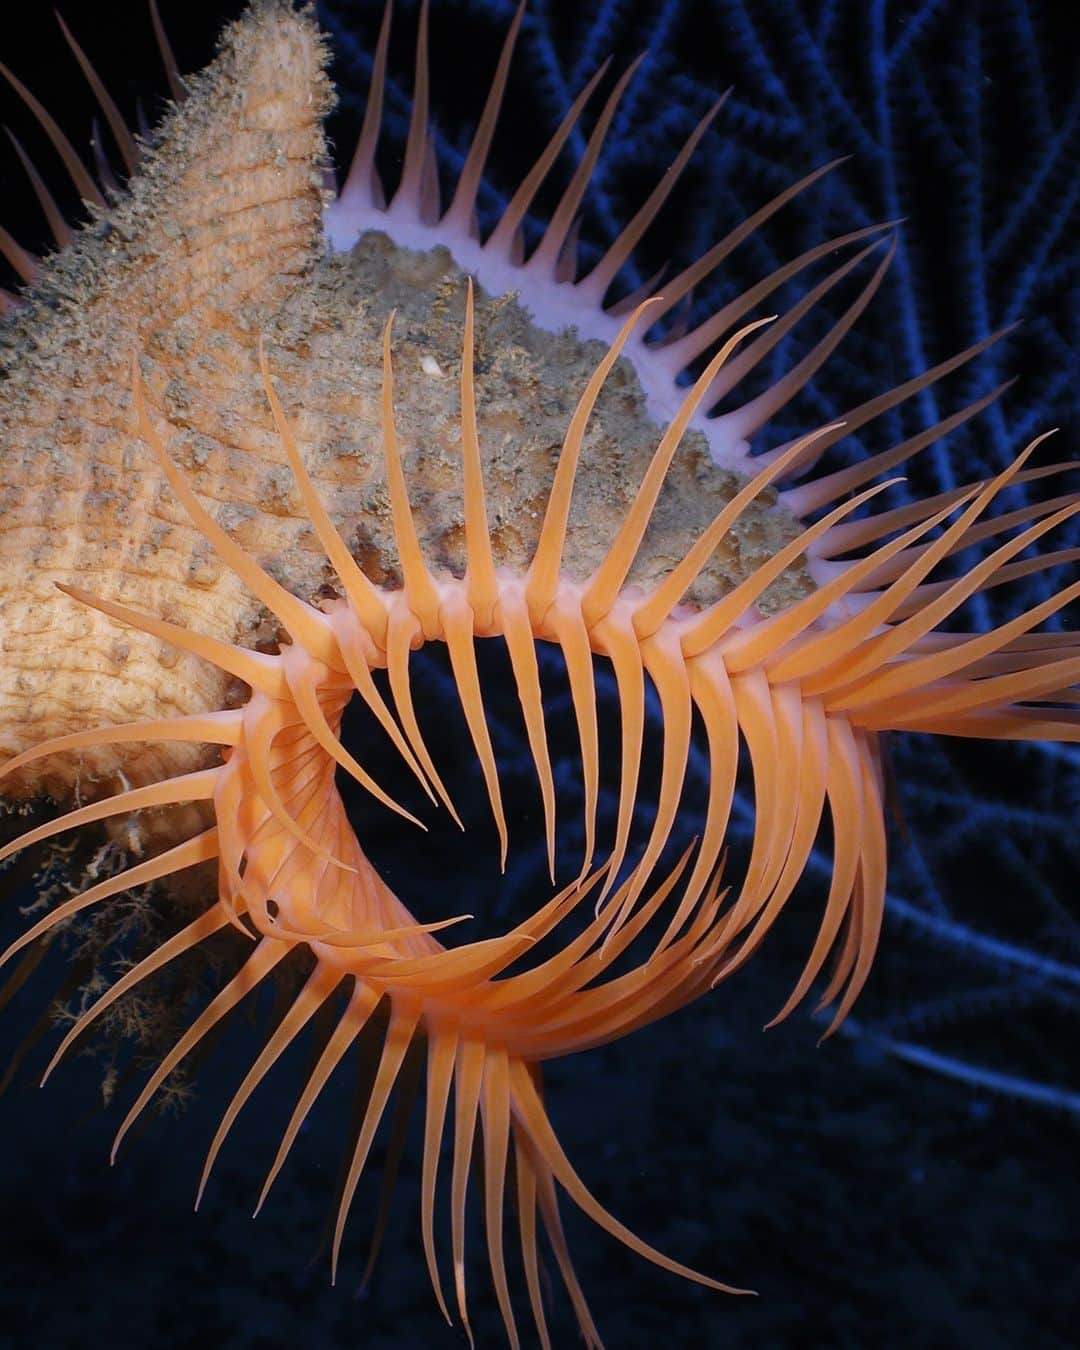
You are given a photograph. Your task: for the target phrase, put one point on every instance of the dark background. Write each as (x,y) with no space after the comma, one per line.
(870,1199)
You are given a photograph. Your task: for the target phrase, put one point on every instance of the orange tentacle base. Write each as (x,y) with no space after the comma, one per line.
(807,691)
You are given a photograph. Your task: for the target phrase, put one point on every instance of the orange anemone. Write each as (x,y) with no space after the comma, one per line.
(808,694)
(807,691)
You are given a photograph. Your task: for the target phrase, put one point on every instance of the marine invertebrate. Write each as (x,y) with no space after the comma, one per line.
(811,680)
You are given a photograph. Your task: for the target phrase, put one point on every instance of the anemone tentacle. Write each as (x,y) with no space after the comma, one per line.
(89,188)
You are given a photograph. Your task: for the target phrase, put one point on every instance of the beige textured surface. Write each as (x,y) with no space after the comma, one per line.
(219,241)
(219,225)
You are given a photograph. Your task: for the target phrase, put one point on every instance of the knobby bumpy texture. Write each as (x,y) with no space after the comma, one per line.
(751,595)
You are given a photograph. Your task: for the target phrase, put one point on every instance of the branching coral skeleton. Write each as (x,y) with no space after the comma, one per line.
(808,691)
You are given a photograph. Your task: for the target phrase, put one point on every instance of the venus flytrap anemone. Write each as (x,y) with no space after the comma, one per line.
(750,597)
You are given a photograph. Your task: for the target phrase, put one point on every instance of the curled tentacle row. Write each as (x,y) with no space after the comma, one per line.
(806,691)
